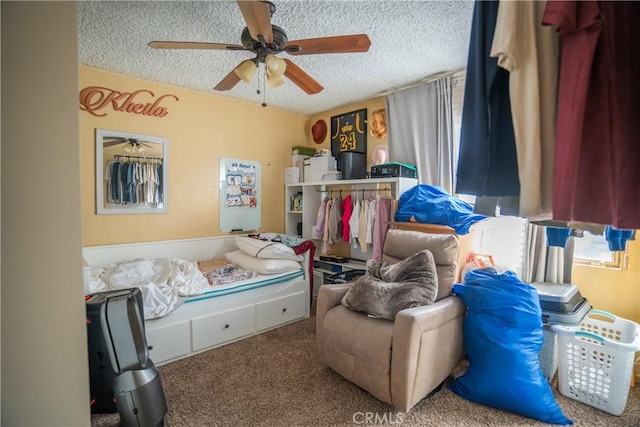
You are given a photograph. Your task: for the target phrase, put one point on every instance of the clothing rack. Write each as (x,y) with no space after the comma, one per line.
(355,190)
(127,157)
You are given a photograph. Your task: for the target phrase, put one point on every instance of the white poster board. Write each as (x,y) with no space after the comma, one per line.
(240,194)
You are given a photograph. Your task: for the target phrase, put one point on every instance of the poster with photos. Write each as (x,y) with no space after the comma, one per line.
(239,195)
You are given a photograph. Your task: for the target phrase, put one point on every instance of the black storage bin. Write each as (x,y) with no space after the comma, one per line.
(344,277)
(353,165)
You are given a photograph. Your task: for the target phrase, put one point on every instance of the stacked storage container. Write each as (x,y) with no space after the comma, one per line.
(562,304)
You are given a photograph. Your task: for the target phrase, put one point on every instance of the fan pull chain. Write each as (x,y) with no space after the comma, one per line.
(264,88)
(259,78)
(262,72)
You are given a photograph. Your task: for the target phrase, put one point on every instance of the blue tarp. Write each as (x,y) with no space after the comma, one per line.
(429,204)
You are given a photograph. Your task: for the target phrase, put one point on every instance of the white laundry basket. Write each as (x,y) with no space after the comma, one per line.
(595,360)
(548,355)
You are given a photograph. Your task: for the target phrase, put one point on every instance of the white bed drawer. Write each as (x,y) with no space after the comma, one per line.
(282,310)
(214,329)
(169,341)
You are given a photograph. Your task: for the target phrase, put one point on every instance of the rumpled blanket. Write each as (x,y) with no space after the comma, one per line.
(161,280)
(386,289)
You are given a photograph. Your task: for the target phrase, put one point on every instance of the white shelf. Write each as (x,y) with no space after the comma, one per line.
(352,265)
(314,192)
(352,182)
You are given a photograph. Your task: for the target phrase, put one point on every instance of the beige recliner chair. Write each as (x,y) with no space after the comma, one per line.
(399,362)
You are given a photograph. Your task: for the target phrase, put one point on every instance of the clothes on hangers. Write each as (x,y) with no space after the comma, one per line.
(325,234)
(529,51)
(383,210)
(346,216)
(596,173)
(134,181)
(487,163)
(371,216)
(335,222)
(318,228)
(354,223)
(362,225)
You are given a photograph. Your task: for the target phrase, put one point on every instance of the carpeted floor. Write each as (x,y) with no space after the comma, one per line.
(276,379)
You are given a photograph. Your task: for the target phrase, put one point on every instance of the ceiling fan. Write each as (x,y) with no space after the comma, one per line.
(133,145)
(266,41)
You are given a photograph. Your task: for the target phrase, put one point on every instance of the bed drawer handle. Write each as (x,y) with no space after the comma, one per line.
(284,309)
(226,326)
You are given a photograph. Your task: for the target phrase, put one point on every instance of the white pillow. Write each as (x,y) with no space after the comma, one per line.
(262,266)
(266,249)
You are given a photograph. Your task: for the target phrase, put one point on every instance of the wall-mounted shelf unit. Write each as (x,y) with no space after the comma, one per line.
(314,192)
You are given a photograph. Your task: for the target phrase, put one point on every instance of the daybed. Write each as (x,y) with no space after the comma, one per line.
(224,314)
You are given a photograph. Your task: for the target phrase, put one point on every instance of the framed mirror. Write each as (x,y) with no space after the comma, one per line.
(131,173)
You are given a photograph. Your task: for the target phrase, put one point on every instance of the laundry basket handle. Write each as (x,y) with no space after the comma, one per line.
(603,313)
(589,335)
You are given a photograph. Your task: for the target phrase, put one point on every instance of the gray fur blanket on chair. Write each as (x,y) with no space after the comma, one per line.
(386,288)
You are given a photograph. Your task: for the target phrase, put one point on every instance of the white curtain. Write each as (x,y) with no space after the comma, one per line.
(420,127)
(546,263)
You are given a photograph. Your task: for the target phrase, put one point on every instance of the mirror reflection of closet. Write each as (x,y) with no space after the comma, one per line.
(131,173)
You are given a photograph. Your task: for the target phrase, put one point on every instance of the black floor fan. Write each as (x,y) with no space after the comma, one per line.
(122,377)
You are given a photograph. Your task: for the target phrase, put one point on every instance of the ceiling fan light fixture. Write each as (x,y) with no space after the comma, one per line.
(246,70)
(274,82)
(275,66)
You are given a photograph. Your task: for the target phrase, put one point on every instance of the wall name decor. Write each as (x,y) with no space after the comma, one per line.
(95,98)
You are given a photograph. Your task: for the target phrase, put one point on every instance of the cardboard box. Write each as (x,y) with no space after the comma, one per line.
(316,167)
(295,158)
(300,165)
(291,175)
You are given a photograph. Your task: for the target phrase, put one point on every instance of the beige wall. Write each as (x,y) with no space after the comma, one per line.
(201,128)
(616,291)
(45,379)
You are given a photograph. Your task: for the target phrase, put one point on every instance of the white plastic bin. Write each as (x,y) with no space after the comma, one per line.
(548,355)
(595,360)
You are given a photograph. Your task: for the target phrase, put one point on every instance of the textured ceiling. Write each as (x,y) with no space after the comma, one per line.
(410,41)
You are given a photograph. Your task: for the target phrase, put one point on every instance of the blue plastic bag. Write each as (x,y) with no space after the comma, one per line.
(429,204)
(502,339)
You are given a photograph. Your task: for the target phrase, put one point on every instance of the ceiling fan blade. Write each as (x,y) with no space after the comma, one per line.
(228,82)
(302,79)
(335,44)
(145,144)
(107,144)
(194,45)
(257,15)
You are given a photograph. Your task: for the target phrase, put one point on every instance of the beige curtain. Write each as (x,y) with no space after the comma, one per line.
(420,129)
(544,263)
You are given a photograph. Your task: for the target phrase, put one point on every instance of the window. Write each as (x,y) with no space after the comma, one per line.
(593,249)
(457,102)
